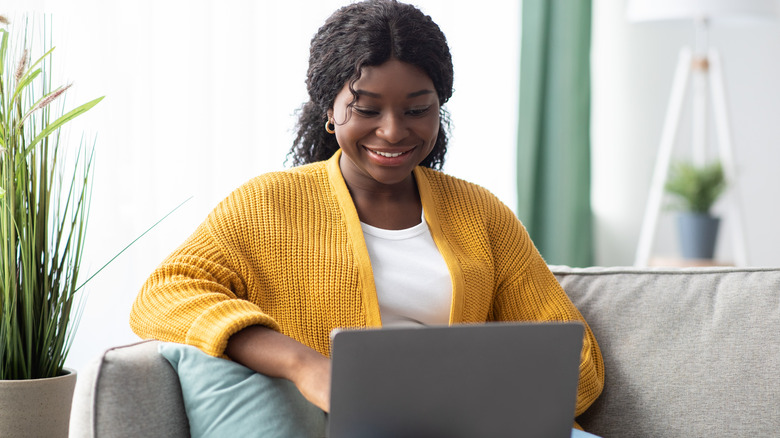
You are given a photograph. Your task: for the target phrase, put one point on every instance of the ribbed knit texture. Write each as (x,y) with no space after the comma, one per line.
(286,250)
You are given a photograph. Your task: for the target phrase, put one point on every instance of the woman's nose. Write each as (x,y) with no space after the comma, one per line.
(392,128)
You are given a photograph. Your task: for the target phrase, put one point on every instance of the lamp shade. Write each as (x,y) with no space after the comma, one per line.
(716,10)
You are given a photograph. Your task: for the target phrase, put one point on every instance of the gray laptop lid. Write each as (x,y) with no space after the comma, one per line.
(464,381)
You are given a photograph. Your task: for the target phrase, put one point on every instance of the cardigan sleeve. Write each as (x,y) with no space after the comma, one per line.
(196,297)
(537,296)
(530,292)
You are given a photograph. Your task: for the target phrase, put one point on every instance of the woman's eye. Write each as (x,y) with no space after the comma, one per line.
(365,111)
(418,111)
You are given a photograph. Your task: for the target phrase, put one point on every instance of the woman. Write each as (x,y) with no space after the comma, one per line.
(364,231)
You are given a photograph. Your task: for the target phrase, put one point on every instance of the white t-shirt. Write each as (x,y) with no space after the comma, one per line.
(412,281)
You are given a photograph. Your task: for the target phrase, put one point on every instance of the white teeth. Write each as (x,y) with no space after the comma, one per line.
(388,154)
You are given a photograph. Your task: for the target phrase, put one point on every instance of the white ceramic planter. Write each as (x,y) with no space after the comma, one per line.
(37,407)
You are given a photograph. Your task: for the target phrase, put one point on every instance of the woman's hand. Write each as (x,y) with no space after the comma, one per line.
(313,380)
(276,355)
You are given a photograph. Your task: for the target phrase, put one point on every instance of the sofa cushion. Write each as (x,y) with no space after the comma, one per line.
(226,399)
(128,391)
(687,352)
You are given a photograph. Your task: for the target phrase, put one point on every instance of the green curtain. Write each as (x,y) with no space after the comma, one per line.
(553,153)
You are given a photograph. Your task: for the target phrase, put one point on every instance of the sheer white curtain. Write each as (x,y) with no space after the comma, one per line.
(200,97)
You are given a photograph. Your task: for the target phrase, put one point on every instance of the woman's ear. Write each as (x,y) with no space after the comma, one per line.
(330,114)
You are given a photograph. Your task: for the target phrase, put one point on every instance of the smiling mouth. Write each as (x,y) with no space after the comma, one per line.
(387,154)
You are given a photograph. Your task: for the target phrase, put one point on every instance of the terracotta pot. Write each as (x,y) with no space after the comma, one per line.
(36,407)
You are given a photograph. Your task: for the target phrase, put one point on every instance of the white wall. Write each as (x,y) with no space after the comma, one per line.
(200,97)
(633,65)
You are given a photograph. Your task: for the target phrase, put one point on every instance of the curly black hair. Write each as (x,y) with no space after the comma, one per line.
(365,34)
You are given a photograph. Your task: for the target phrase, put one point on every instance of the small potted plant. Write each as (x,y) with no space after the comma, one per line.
(696,189)
(44,203)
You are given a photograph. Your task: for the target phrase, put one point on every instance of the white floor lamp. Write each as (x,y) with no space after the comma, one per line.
(702,66)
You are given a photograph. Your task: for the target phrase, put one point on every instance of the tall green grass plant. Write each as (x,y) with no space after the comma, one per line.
(44,207)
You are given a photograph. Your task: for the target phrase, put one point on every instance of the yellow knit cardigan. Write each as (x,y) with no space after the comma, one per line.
(286,251)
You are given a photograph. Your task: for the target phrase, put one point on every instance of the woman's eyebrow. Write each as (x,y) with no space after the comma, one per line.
(377,95)
(419,93)
(368,93)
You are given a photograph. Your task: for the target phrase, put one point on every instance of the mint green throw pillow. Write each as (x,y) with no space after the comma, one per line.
(226,399)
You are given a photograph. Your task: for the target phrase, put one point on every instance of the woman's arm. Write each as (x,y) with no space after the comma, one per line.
(277,355)
(528,291)
(536,295)
(196,297)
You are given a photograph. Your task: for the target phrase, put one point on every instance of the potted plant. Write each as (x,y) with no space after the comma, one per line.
(696,189)
(44,204)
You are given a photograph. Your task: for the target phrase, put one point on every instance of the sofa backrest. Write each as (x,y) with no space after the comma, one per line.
(128,391)
(688,352)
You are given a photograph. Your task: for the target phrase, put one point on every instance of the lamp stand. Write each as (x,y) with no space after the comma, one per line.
(707,66)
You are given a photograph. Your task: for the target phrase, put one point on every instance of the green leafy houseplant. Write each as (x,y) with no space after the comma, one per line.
(44,206)
(696,188)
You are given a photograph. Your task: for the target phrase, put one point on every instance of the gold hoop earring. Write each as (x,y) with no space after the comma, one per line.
(328,129)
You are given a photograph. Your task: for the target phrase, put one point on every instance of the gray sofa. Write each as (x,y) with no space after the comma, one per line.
(688,353)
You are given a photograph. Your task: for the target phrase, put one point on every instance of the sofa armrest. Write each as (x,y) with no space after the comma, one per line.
(129,390)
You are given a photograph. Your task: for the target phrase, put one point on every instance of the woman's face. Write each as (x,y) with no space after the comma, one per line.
(391,128)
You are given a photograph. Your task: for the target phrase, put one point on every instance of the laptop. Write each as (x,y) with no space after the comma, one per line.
(463,381)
